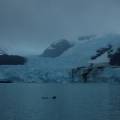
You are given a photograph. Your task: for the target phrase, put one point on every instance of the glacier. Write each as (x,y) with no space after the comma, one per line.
(45,69)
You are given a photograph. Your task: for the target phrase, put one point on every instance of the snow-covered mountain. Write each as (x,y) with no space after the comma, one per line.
(6,59)
(57,48)
(83,51)
(2,52)
(97,51)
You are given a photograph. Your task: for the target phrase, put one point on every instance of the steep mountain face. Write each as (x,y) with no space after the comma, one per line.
(57,48)
(115,58)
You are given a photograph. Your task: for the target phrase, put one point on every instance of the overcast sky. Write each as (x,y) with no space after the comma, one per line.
(29,26)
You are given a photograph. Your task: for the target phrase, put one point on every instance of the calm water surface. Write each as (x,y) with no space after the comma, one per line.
(92,101)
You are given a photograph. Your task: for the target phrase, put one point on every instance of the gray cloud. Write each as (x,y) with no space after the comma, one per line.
(28,26)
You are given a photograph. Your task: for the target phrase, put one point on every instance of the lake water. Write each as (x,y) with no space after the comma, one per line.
(91,101)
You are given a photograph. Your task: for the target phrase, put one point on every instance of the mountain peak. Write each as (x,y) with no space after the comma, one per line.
(57,48)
